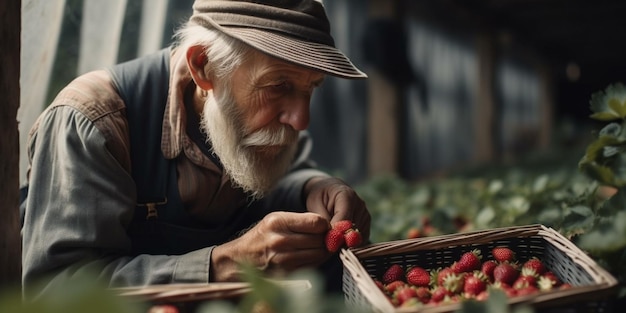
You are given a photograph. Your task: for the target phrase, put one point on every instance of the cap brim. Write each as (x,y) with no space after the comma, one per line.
(308,54)
(317,56)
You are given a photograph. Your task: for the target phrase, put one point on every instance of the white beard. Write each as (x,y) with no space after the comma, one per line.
(247,158)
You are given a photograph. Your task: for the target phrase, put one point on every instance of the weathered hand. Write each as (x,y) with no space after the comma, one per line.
(335,200)
(280,242)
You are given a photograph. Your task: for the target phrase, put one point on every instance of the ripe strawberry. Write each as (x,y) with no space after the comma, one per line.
(468,262)
(505,273)
(413,233)
(405,294)
(487,269)
(439,293)
(343,225)
(503,254)
(163,308)
(394,285)
(536,265)
(334,240)
(527,290)
(393,273)
(524,281)
(418,276)
(442,274)
(353,238)
(423,294)
(475,283)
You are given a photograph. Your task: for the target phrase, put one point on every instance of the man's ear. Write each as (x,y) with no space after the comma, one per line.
(196,61)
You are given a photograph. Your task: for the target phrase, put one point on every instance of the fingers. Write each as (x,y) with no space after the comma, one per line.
(305,223)
(295,260)
(335,200)
(291,240)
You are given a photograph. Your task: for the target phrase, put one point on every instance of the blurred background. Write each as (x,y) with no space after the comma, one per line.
(454,84)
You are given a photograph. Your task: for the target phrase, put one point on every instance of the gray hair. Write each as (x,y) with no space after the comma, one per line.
(224,53)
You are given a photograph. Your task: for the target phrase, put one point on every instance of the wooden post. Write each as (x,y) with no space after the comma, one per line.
(10,244)
(382,150)
(39,39)
(546,104)
(485,103)
(100,34)
(153,14)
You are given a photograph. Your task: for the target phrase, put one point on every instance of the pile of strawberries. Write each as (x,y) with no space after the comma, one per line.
(343,234)
(469,277)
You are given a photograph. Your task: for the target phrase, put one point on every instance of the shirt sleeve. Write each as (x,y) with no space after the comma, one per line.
(80,202)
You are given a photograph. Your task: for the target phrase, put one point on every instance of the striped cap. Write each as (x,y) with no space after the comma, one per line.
(297,31)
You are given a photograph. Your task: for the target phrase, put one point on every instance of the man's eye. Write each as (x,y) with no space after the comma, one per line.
(279,87)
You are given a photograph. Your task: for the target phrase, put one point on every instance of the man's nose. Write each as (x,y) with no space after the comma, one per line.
(296,112)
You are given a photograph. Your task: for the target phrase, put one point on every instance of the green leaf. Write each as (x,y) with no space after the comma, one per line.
(540,183)
(603,174)
(618,106)
(485,217)
(579,218)
(609,104)
(549,216)
(613,205)
(610,130)
(608,235)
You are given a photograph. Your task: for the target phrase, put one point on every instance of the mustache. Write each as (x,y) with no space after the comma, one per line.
(282,136)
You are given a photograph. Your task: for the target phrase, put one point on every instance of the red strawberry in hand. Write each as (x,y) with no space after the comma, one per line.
(353,238)
(345,229)
(343,225)
(334,240)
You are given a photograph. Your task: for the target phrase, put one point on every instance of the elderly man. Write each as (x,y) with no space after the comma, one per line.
(180,166)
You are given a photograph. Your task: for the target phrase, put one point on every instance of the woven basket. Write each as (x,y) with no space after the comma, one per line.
(361,265)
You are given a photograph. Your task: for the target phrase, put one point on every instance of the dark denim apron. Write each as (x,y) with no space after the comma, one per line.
(161,225)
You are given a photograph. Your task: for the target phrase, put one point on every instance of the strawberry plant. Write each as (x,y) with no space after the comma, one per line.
(605,161)
(582,198)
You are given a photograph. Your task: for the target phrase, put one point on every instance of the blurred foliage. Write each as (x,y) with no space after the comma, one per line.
(80,294)
(560,197)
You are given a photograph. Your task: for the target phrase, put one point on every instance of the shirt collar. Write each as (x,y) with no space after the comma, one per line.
(174,116)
